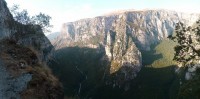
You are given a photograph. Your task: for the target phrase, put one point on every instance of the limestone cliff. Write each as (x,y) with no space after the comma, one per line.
(24,50)
(123,35)
(146,27)
(122,52)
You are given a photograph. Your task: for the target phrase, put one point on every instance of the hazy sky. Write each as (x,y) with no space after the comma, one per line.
(63,11)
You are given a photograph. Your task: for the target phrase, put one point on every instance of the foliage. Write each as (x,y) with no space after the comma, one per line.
(160,55)
(43,20)
(187,54)
(191,89)
(23,17)
(187,50)
(160,81)
(87,60)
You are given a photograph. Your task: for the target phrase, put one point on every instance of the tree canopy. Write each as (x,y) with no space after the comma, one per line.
(187,54)
(187,50)
(23,17)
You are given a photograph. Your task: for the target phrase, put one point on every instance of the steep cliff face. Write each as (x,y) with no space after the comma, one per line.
(32,36)
(24,49)
(5,19)
(26,35)
(145,27)
(122,52)
(122,35)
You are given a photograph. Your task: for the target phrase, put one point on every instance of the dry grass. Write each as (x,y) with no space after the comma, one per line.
(20,60)
(16,58)
(115,66)
(43,85)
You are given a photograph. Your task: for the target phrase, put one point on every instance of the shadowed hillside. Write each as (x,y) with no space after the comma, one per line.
(75,66)
(156,80)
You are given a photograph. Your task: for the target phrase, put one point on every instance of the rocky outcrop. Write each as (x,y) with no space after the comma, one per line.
(24,50)
(32,36)
(23,76)
(122,52)
(26,35)
(11,87)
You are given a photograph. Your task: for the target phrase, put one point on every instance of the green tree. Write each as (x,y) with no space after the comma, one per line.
(43,20)
(20,16)
(187,50)
(187,54)
(23,17)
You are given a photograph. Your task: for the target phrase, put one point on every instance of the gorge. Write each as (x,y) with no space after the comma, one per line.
(126,54)
(127,48)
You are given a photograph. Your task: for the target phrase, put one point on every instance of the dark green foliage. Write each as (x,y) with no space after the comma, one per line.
(87,60)
(187,39)
(160,55)
(151,83)
(191,89)
(42,20)
(155,80)
(187,54)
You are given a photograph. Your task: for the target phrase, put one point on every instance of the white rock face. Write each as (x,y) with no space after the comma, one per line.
(124,55)
(145,27)
(123,35)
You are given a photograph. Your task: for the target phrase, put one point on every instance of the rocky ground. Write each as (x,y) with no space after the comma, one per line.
(24,77)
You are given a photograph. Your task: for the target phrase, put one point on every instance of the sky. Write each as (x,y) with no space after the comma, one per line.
(63,11)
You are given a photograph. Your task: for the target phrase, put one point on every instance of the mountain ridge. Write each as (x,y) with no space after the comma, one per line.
(117,12)
(105,22)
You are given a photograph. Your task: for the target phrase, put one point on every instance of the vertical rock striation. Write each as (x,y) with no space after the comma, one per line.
(122,52)
(146,27)
(122,35)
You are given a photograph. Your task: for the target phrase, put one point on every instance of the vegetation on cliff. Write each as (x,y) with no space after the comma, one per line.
(187,55)
(21,60)
(43,20)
